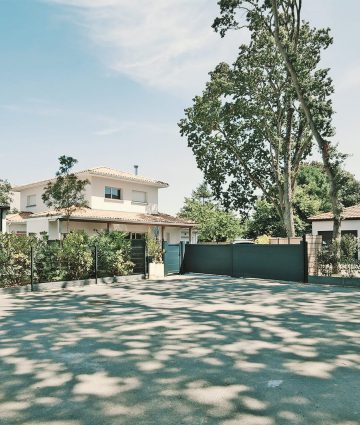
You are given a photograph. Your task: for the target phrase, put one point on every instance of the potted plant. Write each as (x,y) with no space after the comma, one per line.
(155,257)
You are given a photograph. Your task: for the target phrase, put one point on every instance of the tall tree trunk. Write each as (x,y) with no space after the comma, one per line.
(323,144)
(288,202)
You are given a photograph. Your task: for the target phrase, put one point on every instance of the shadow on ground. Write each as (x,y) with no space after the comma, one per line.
(200,350)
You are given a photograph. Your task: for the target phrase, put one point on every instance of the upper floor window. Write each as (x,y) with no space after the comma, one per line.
(139,197)
(31,201)
(112,192)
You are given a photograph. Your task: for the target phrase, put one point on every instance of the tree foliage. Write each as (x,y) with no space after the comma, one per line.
(248,131)
(114,253)
(5,192)
(282,21)
(214,223)
(66,193)
(311,198)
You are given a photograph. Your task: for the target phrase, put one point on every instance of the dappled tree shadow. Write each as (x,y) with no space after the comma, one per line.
(189,350)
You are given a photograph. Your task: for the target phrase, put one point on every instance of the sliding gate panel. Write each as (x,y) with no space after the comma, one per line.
(281,262)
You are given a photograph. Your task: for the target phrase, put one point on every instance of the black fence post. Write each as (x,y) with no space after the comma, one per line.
(306,261)
(96,263)
(32,267)
(182,255)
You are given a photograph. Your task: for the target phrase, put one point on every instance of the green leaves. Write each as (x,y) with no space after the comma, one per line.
(5,192)
(66,193)
(214,223)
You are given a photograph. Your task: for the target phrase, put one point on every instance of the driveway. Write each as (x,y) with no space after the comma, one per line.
(188,350)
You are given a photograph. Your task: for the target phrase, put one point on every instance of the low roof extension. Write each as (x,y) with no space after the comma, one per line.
(89,214)
(349,213)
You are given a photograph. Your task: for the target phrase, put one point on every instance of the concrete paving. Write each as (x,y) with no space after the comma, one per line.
(191,350)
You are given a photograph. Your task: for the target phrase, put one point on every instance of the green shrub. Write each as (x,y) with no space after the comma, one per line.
(76,256)
(114,253)
(154,248)
(349,247)
(48,260)
(15,259)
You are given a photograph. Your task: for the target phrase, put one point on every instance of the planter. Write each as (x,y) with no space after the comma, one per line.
(156,271)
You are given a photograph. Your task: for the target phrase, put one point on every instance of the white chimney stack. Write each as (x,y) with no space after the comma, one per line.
(136,168)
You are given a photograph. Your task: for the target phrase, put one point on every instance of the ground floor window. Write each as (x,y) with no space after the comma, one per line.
(136,235)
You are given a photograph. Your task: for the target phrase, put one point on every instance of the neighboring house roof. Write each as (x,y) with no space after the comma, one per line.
(349,213)
(18,217)
(88,214)
(102,172)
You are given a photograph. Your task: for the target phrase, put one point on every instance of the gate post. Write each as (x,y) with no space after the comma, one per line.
(306,263)
(96,263)
(32,267)
(182,254)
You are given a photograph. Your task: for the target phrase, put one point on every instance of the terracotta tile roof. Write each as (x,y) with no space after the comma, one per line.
(105,172)
(349,213)
(18,217)
(88,214)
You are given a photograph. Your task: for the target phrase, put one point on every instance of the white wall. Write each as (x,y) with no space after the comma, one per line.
(328,226)
(95,196)
(99,202)
(37,225)
(89,227)
(37,191)
(15,227)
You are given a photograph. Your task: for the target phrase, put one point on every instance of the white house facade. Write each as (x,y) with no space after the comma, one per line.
(116,201)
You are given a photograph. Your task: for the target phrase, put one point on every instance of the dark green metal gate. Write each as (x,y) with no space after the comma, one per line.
(281,262)
(173,255)
(138,256)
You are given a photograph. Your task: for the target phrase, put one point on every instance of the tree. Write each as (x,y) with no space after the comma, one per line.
(5,192)
(215,224)
(66,193)
(248,132)
(311,198)
(281,19)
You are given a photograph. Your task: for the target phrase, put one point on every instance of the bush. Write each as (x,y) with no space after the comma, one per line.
(48,260)
(349,247)
(349,264)
(154,248)
(76,256)
(15,259)
(262,240)
(114,253)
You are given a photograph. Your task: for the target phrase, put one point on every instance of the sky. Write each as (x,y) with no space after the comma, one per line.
(107,81)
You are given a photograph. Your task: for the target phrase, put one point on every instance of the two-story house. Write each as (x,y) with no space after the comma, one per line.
(116,201)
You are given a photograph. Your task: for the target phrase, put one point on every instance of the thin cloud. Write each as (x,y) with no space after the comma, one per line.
(159,43)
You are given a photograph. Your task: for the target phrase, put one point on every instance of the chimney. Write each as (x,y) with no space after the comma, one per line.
(136,168)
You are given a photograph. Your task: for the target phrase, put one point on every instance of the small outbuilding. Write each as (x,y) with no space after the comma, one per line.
(322,224)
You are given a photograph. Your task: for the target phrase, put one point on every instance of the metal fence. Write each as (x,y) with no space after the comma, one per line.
(282,262)
(35,266)
(314,245)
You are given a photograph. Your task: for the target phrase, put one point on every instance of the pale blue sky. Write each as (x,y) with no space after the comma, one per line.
(106,81)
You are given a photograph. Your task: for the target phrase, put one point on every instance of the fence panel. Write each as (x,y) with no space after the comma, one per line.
(282,262)
(208,259)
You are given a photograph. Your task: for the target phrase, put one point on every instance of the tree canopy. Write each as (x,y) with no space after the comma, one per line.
(66,193)
(5,192)
(311,197)
(249,131)
(215,224)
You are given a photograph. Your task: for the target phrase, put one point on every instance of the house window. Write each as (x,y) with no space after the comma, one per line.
(31,201)
(134,235)
(112,193)
(139,197)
